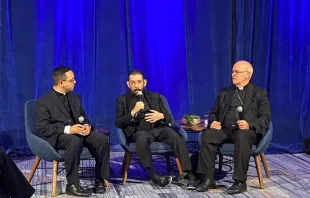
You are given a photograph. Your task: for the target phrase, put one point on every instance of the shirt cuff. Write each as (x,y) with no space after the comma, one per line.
(67,129)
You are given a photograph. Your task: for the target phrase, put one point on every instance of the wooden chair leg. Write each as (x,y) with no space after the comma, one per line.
(33,168)
(54,177)
(179,165)
(264,161)
(106,183)
(259,172)
(125,166)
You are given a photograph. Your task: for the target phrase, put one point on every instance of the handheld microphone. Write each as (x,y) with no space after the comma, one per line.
(139,94)
(81,119)
(241,113)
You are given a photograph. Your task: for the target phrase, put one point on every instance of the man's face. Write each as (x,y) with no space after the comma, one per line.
(240,74)
(69,83)
(136,82)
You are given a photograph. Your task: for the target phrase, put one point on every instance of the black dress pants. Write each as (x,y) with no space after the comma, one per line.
(98,146)
(212,138)
(143,140)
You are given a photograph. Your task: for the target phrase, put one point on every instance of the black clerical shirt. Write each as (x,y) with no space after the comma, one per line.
(140,123)
(232,115)
(64,100)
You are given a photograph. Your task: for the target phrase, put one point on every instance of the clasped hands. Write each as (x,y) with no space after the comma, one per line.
(242,124)
(80,129)
(152,116)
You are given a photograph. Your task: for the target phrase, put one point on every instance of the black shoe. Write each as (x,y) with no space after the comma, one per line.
(192,182)
(161,180)
(205,185)
(237,187)
(77,190)
(99,187)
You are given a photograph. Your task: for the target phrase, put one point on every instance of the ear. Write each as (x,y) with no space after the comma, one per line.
(144,82)
(128,84)
(248,75)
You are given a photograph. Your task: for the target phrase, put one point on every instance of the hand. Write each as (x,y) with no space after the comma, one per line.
(154,116)
(243,124)
(86,130)
(76,129)
(216,125)
(139,105)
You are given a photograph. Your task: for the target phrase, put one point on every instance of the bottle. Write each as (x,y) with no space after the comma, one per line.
(206,119)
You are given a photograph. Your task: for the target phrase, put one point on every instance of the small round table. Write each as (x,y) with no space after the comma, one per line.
(193,130)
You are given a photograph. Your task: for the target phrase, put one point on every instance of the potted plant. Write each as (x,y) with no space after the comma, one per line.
(193,119)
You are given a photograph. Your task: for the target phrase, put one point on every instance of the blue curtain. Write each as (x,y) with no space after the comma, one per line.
(185,48)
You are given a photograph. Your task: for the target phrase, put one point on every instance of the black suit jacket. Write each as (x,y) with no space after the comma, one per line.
(256,107)
(124,106)
(52,116)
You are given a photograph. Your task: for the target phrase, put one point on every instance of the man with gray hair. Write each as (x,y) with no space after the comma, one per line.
(241,114)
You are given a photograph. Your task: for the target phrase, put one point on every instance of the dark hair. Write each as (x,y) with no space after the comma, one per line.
(135,72)
(59,73)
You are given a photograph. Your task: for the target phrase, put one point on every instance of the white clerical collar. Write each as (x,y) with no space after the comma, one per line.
(240,88)
(59,91)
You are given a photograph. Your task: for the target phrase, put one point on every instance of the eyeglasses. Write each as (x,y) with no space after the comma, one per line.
(133,83)
(70,81)
(238,72)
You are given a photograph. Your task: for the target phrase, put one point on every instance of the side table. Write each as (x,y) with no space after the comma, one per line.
(193,132)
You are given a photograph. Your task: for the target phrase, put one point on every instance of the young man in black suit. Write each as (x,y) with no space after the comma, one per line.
(142,116)
(62,122)
(12,181)
(241,114)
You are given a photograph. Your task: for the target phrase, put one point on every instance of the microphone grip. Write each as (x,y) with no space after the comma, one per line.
(241,116)
(140,97)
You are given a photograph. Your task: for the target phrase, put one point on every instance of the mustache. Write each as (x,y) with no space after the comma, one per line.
(137,90)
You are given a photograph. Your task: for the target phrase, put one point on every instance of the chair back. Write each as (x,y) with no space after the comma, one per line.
(166,105)
(30,124)
(174,124)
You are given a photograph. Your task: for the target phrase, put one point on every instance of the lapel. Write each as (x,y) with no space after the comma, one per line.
(59,104)
(149,99)
(227,100)
(248,96)
(129,102)
(74,107)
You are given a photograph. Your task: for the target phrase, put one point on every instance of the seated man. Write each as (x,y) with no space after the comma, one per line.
(12,181)
(62,122)
(142,116)
(241,113)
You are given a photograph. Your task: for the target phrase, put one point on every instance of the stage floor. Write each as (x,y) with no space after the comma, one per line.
(290,177)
